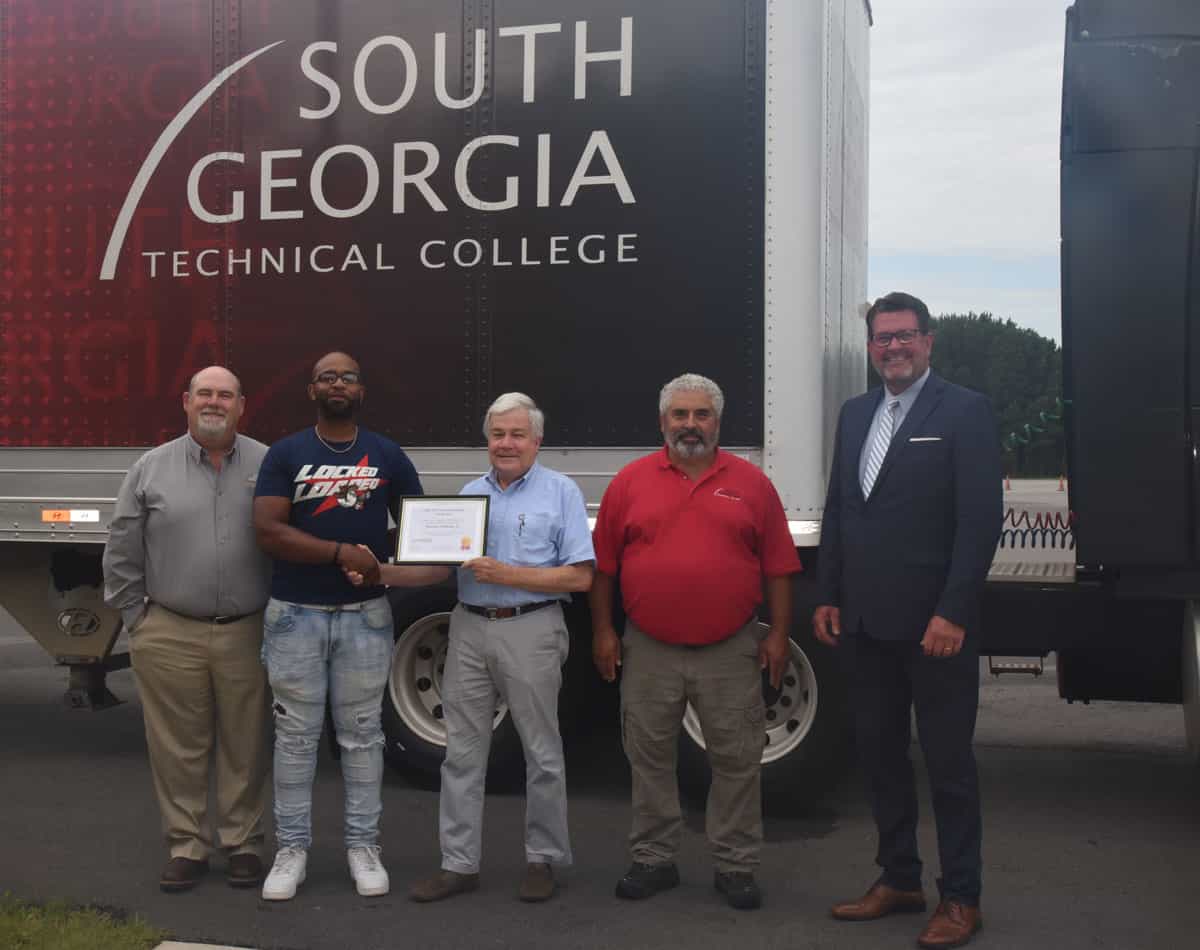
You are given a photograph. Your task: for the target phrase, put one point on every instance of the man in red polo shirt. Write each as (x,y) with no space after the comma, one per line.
(692,532)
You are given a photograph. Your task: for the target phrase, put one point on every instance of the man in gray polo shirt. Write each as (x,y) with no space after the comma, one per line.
(183,567)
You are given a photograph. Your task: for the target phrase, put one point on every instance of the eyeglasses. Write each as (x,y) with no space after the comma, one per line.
(903,337)
(329,377)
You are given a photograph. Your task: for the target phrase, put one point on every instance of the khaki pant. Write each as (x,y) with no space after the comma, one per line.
(202,687)
(724,685)
(519,661)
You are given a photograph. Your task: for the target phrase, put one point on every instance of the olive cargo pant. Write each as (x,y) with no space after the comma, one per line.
(723,683)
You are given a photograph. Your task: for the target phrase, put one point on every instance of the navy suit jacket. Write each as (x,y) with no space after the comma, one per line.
(923,541)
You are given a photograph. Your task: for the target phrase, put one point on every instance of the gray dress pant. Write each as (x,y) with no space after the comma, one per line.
(519,662)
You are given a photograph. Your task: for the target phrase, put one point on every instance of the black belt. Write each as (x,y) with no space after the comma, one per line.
(504,613)
(223,619)
(220,619)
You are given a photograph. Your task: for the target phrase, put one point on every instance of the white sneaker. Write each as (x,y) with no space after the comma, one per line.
(287,874)
(370,876)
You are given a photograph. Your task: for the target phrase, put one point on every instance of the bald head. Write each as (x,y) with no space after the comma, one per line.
(213,374)
(213,405)
(337,387)
(337,360)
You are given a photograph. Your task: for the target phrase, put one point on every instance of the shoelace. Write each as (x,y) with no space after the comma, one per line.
(286,858)
(366,857)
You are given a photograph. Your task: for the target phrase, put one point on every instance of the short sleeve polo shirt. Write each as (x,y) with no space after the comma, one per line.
(692,555)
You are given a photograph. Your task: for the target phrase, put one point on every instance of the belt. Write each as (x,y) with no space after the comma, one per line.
(504,613)
(221,619)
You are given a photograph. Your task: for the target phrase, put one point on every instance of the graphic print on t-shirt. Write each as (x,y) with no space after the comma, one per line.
(346,485)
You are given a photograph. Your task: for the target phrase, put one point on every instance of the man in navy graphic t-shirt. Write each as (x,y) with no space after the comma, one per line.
(321,493)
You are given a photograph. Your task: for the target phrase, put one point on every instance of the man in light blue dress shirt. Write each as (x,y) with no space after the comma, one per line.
(508,638)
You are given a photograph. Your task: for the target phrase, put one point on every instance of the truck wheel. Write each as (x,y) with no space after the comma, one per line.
(412,702)
(807,740)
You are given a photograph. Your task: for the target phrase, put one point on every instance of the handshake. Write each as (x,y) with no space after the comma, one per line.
(362,568)
(359,564)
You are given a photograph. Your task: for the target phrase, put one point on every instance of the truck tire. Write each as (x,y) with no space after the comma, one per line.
(412,700)
(807,741)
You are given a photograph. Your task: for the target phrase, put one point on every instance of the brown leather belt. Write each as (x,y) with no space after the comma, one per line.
(505,613)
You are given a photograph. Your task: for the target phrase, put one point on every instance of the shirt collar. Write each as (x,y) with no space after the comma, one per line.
(198,453)
(719,461)
(523,480)
(909,396)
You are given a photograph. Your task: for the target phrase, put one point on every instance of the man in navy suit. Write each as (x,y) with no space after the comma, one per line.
(911,522)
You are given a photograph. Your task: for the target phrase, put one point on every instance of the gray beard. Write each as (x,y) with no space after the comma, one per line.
(213,428)
(690,451)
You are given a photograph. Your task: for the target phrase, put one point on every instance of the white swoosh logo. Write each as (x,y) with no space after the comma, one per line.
(109,267)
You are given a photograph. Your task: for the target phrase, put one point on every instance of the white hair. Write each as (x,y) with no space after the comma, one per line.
(691,383)
(507,402)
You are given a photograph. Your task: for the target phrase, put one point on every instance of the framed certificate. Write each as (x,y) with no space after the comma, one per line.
(441,529)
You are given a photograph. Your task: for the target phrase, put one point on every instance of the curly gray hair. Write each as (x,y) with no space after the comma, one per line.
(691,383)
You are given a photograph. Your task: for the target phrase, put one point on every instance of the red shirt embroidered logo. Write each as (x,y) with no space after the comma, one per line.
(727,493)
(348,486)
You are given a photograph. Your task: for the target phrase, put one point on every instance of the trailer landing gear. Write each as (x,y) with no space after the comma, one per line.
(87,687)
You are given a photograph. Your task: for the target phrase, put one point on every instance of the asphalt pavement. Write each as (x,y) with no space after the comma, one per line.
(1092,840)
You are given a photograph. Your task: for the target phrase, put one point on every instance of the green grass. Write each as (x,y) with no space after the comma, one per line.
(56,926)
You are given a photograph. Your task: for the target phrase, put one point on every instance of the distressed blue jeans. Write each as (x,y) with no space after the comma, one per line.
(313,652)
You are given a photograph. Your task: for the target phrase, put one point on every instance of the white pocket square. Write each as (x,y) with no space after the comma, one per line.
(926,438)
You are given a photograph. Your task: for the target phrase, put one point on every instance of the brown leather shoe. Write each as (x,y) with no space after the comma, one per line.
(181,874)
(952,925)
(880,901)
(244,870)
(538,884)
(442,885)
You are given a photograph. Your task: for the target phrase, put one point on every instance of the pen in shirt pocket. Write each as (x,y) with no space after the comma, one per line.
(520,524)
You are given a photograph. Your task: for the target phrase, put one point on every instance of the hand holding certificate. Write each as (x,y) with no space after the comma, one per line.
(441,529)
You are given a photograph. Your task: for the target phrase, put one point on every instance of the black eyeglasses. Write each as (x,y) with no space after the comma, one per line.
(903,337)
(329,377)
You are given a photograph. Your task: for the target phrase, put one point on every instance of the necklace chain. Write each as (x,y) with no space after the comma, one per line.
(317,433)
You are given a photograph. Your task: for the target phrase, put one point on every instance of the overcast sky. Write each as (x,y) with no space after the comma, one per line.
(965,109)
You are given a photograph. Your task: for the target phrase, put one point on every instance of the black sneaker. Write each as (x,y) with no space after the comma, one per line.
(646,880)
(739,888)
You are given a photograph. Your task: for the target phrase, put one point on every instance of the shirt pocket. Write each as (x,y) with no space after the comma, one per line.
(533,539)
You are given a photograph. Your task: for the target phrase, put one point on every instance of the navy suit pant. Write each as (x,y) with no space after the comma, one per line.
(887,680)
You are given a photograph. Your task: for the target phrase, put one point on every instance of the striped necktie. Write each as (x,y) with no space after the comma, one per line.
(883,438)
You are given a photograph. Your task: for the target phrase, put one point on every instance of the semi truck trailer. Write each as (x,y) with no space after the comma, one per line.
(578,199)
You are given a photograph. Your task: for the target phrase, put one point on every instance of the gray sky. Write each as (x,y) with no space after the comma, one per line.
(965,109)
